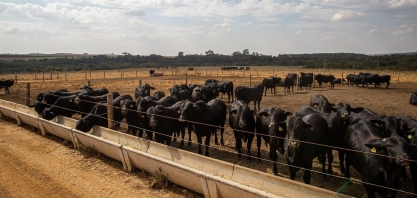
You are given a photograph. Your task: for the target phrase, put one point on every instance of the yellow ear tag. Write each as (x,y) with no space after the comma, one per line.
(179,111)
(280,129)
(373,150)
(143,116)
(333,111)
(315,105)
(410,136)
(263,116)
(131,105)
(70,100)
(376,124)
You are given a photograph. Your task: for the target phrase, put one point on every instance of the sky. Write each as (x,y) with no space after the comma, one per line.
(166,27)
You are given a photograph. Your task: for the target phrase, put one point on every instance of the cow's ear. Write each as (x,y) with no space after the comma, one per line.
(333,110)
(375,145)
(152,87)
(331,104)
(357,109)
(196,108)
(409,135)
(263,114)
(233,112)
(377,122)
(252,112)
(315,105)
(307,126)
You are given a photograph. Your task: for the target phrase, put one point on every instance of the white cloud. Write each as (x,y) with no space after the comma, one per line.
(222,26)
(298,32)
(372,31)
(269,19)
(400,32)
(348,15)
(135,12)
(12,31)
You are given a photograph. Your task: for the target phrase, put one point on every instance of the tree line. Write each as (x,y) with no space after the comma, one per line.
(244,58)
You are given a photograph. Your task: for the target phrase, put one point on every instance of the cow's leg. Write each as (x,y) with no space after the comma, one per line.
(254,105)
(307,171)
(274,157)
(207,143)
(215,137)
(347,172)
(200,142)
(228,97)
(140,133)
(330,160)
(265,91)
(238,140)
(189,127)
(168,140)
(258,144)
(182,137)
(259,103)
(221,135)
(249,145)
(342,159)
(413,170)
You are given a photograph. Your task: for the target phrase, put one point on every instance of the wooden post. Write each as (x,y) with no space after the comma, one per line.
(90,74)
(217,73)
(43,76)
(342,79)
(230,72)
(88,83)
(297,83)
(186,79)
(65,75)
(314,82)
(27,94)
(15,77)
(222,78)
(250,80)
(140,82)
(110,115)
(398,78)
(257,73)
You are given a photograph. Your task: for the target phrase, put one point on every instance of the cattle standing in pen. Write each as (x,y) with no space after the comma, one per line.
(143,91)
(249,94)
(271,83)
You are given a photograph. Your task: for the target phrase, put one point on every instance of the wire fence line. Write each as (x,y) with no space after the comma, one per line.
(238,130)
(353,180)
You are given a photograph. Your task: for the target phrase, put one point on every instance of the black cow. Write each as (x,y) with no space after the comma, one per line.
(384,79)
(350,79)
(413,98)
(128,109)
(366,78)
(311,128)
(143,91)
(338,81)
(196,94)
(247,68)
(143,105)
(50,98)
(65,104)
(191,87)
(159,94)
(39,106)
(226,87)
(203,92)
(241,68)
(306,80)
(289,81)
(249,94)
(164,121)
(366,138)
(180,93)
(213,113)
(242,121)
(190,68)
(270,123)
(366,115)
(6,84)
(320,78)
(271,83)
(86,103)
(98,116)
(151,72)
(321,103)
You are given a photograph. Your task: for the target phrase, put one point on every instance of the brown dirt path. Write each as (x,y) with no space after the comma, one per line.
(35,166)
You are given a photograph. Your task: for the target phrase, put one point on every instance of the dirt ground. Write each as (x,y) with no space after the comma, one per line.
(35,166)
(392,101)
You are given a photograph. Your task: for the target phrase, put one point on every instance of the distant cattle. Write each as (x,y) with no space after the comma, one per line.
(159,94)
(142,91)
(229,68)
(384,79)
(289,81)
(413,98)
(320,78)
(6,84)
(249,94)
(151,72)
(241,68)
(350,79)
(180,92)
(338,81)
(190,68)
(306,80)
(225,87)
(271,83)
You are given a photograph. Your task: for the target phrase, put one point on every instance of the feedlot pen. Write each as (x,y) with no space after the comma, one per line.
(392,101)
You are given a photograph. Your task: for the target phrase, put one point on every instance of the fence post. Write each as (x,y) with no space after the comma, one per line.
(314,82)
(250,80)
(230,72)
(342,79)
(90,74)
(186,79)
(88,83)
(43,76)
(65,75)
(140,82)
(217,73)
(222,78)
(398,78)
(15,77)
(110,115)
(27,94)
(297,83)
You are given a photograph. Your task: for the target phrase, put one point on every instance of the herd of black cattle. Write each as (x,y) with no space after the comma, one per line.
(300,136)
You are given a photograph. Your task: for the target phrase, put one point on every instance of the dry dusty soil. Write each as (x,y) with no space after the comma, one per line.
(35,166)
(29,158)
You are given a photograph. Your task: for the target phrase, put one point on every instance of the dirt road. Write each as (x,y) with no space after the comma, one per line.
(36,166)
